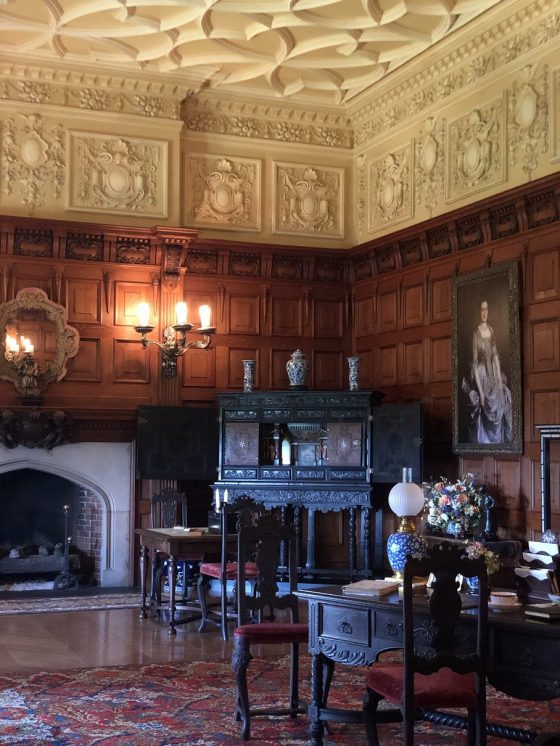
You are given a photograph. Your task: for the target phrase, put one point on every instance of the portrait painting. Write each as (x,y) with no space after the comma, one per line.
(487,362)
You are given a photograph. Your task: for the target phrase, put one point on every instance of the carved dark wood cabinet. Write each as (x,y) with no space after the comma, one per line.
(302,451)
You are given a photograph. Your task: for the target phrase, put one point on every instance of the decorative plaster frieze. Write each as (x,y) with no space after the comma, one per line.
(308,200)
(288,125)
(391,188)
(475,150)
(528,118)
(429,162)
(33,159)
(361,192)
(96,93)
(224,192)
(555,106)
(112,174)
(481,57)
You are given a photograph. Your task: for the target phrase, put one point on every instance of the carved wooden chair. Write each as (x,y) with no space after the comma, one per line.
(275,611)
(444,665)
(226,571)
(168,509)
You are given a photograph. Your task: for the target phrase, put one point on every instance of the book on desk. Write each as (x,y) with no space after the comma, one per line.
(549,611)
(372,588)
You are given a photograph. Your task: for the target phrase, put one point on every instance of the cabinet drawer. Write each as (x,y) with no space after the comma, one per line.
(310,474)
(274,473)
(389,626)
(276,415)
(350,475)
(350,626)
(237,474)
(526,653)
(240,415)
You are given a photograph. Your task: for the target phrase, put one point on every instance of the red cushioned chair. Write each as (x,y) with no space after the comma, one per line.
(225,571)
(275,611)
(444,663)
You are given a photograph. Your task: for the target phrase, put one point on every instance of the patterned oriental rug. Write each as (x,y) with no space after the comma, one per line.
(192,704)
(69,603)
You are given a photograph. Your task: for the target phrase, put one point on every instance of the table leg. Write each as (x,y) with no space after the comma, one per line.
(143,572)
(316,726)
(171,568)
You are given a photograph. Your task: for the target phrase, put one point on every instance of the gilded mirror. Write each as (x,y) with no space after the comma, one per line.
(37,341)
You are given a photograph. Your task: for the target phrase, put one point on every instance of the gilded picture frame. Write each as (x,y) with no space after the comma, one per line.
(486,362)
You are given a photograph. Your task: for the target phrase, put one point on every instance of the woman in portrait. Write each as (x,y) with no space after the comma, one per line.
(490,403)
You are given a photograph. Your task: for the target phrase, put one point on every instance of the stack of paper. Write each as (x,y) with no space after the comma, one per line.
(371,587)
(543,611)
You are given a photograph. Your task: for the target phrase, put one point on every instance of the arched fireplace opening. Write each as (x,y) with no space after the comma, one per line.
(50,525)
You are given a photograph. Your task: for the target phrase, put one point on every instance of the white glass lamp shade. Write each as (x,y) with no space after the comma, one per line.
(406,499)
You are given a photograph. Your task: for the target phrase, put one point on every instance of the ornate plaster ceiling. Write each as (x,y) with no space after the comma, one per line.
(321,51)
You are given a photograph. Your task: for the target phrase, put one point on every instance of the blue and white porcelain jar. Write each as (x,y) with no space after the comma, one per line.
(401,544)
(296,368)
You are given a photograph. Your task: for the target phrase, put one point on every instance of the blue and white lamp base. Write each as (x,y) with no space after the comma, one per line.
(399,545)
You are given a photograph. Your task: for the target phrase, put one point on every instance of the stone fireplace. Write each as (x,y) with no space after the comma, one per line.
(101,497)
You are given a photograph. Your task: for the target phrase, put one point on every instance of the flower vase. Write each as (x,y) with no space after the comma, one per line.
(472,584)
(455,528)
(248,375)
(296,368)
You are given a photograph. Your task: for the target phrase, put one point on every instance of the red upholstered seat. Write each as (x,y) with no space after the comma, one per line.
(273,632)
(214,570)
(446,688)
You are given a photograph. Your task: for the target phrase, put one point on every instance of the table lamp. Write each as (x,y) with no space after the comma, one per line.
(406,500)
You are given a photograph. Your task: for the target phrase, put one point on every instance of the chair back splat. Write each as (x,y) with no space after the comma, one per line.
(269,614)
(220,614)
(444,663)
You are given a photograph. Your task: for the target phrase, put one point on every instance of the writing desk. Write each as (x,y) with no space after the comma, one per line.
(177,544)
(353,630)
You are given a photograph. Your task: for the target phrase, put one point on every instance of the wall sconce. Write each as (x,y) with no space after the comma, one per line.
(21,357)
(175,337)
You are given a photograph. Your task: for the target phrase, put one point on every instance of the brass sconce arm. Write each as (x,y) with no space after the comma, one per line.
(175,343)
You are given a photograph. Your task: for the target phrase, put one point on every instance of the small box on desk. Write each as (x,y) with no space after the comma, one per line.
(532,582)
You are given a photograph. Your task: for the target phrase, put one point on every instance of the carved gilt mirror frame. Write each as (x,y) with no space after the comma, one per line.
(24,369)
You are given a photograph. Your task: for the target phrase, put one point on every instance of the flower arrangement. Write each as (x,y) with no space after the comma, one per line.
(460,502)
(476,549)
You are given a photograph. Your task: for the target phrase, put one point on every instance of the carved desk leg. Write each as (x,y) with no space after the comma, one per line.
(310,563)
(143,571)
(352,541)
(316,727)
(366,543)
(171,581)
(297,522)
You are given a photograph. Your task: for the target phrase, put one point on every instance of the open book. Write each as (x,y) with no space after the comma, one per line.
(371,587)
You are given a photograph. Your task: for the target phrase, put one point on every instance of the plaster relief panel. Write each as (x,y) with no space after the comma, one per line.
(33,159)
(475,150)
(429,149)
(117,175)
(555,104)
(528,118)
(224,192)
(308,201)
(390,186)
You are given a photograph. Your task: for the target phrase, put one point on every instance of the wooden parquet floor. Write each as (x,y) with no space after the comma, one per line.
(117,637)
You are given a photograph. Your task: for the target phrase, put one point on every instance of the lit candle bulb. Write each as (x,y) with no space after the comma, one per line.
(144,314)
(181,313)
(27,346)
(11,343)
(226,496)
(205,314)
(217,500)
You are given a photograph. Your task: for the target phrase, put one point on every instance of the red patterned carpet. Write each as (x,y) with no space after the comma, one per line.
(192,704)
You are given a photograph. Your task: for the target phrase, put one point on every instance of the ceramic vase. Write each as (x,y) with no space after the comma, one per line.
(248,375)
(353,373)
(296,368)
(401,544)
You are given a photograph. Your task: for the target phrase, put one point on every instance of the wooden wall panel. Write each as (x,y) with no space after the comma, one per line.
(545,344)
(388,311)
(83,301)
(327,319)
(413,306)
(440,359)
(278,374)
(243,312)
(198,368)
(440,294)
(327,371)
(366,374)
(127,297)
(364,319)
(130,362)
(544,407)
(546,274)
(388,366)
(86,366)
(286,317)
(413,353)
(439,419)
